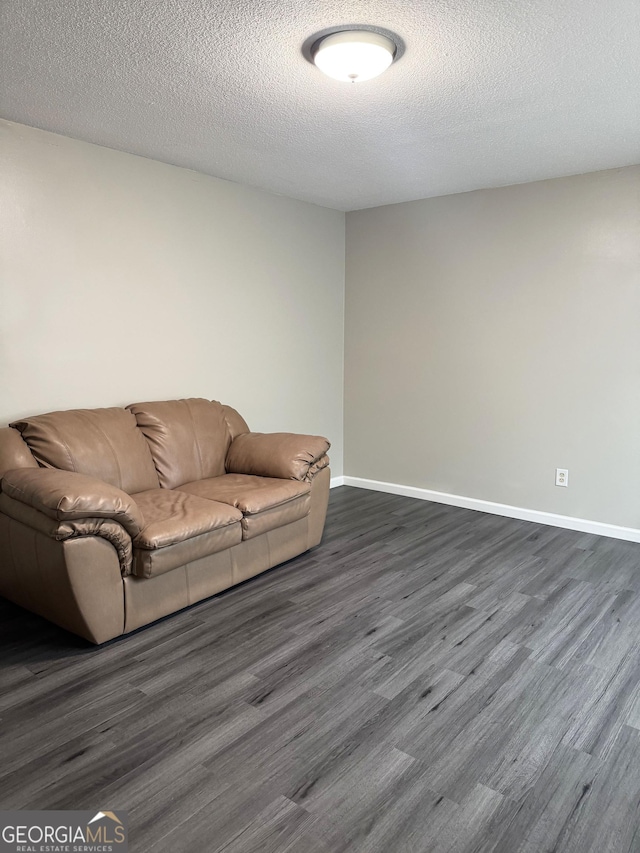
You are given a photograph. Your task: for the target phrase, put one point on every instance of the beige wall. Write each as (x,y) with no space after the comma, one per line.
(494,336)
(490,336)
(124,279)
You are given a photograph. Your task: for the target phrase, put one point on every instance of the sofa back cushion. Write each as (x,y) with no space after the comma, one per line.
(188,439)
(102,443)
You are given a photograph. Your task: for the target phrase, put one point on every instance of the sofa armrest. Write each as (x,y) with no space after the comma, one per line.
(105,528)
(66,495)
(284,455)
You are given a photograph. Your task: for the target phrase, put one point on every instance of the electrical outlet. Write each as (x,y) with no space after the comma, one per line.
(562,476)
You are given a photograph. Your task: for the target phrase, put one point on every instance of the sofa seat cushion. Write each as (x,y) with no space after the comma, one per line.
(265,502)
(179,528)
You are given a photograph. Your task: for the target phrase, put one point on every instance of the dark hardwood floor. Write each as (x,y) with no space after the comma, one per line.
(429,679)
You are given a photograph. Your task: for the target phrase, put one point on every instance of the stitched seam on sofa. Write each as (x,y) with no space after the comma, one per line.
(186,582)
(275,506)
(67,448)
(195,438)
(148,570)
(41,507)
(111,447)
(19,491)
(156,465)
(229,436)
(124,599)
(141,547)
(63,514)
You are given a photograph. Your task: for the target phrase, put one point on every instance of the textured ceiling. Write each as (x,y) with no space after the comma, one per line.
(486,94)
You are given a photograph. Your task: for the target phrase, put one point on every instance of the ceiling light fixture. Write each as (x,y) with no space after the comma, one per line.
(354,55)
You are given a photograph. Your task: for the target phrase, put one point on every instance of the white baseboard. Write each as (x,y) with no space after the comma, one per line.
(336,481)
(599,528)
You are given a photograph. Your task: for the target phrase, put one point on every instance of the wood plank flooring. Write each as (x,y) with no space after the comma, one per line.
(428,680)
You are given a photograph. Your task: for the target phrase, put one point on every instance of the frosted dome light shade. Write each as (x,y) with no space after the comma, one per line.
(354,56)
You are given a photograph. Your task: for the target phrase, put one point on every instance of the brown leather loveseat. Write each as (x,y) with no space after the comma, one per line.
(112,518)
